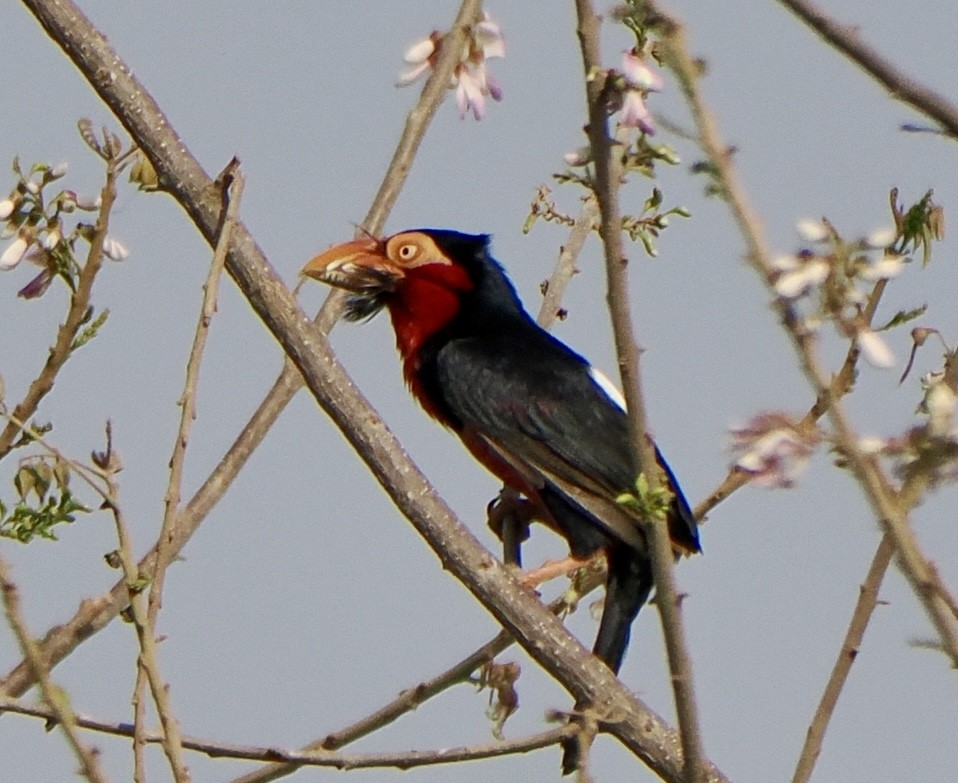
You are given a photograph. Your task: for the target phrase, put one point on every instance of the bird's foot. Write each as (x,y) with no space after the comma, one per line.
(509,517)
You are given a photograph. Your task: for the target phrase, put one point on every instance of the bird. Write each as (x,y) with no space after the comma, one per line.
(525,405)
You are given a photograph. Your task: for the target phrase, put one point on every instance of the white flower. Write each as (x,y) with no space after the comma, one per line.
(811,230)
(114,249)
(421,56)
(13,254)
(939,403)
(6,208)
(51,239)
(420,51)
(488,36)
(797,275)
(885,268)
(59,170)
(578,157)
(870,446)
(882,237)
(875,349)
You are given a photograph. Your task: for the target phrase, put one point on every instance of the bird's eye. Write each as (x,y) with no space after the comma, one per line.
(408,252)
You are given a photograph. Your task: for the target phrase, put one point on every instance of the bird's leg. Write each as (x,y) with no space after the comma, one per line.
(553,568)
(509,516)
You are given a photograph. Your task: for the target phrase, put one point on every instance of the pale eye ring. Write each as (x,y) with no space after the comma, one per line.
(408,252)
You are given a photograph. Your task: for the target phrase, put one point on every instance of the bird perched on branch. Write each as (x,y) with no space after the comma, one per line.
(529,408)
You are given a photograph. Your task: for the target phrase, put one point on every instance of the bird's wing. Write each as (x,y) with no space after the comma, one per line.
(538,405)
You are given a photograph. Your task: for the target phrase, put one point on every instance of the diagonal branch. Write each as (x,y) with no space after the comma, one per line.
(847,41)
(867,601)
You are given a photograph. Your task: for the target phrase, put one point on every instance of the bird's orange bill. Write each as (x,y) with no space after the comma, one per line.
(360,266)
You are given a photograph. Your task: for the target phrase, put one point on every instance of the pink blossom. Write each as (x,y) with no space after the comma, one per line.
(773,449)
(635,114)
(471,78)
(641,80)
(638,73)
(488,36)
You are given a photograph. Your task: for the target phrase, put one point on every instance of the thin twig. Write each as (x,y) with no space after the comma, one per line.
(231,183)
(148,667)
(57,701)
(608,177)
(903,88)
(585,223)
(315,758)
(77,315)
(865,606)
(137,612)
(409,699)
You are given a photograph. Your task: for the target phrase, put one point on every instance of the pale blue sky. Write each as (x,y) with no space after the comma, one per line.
(306,601)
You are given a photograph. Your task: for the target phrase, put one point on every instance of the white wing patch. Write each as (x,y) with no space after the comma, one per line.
(611,390)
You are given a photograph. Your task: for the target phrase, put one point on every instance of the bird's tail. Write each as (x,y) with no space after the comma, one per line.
(627,589)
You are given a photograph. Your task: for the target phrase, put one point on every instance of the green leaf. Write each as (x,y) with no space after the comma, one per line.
(903,317)
(91,330)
